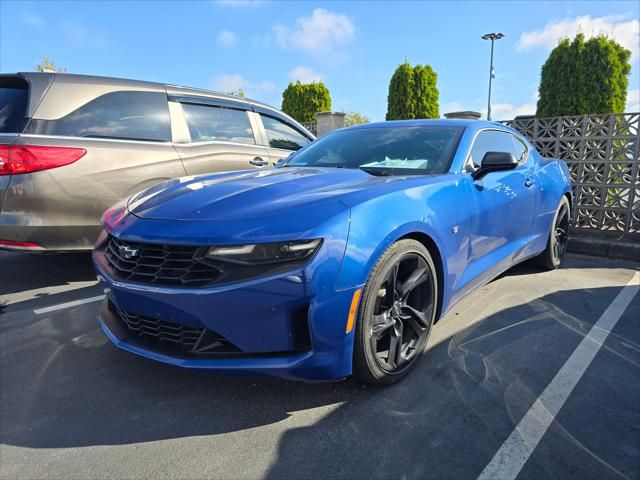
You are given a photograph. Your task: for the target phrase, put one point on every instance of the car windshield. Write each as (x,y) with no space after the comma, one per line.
(392,150)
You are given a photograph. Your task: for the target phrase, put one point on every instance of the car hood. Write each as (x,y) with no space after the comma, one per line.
(254,193)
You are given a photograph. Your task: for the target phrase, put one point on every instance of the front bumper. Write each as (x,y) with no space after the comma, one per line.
(282,326)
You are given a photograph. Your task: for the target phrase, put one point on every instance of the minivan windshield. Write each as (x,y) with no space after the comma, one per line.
(13,105)
(393,150)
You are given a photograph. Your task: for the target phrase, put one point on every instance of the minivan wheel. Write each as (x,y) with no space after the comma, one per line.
(551,257)
(396,314)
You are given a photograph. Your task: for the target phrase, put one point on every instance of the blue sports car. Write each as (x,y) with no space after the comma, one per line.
(337,261)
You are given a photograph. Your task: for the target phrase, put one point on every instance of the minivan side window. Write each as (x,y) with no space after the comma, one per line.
(495,141)
(208,123)
(14,96)
(120,115)
(283,136)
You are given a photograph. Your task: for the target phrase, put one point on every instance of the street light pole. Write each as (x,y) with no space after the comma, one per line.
(493,37)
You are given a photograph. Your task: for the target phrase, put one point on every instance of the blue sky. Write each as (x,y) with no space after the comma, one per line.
(353,47)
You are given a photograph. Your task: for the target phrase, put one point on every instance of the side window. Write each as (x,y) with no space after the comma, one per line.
(207,123)
(120,115)
(521,149)
(495,141)
(283,136)
(14,97)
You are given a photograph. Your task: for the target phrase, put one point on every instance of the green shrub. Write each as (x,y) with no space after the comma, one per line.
(413,93)
(583,77)
(303,100)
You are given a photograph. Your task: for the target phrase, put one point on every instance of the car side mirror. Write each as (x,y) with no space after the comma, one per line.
(494,162)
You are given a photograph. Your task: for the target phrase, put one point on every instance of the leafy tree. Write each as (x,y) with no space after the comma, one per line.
(303,100)
(401,101)
(413,93)
(583,77)
(354,118)
(427,95)
(237,93)
(47,65)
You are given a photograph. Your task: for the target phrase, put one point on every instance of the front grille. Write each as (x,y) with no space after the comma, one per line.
(173,337)
(158,264)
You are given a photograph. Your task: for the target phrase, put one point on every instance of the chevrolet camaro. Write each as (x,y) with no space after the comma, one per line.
(337,261)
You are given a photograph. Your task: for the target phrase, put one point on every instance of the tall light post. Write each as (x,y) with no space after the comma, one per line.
(493,37)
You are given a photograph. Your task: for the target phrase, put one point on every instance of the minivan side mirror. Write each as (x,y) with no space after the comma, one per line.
(494,162)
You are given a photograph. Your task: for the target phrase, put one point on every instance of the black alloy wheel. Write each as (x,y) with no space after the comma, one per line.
(560,237)
(551,257)
(398,311)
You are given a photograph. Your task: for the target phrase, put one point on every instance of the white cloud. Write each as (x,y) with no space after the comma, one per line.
(32,20)
(322,33)
(305,75)
(633,101)
(229,83)
(508,111)
(623,29)
(499,111)
(451,107)
(226,39)
(233,82)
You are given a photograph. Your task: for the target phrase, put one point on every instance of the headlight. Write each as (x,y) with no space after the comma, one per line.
(265,253)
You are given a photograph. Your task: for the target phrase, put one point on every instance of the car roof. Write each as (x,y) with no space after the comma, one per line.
(126,82)
(453,122)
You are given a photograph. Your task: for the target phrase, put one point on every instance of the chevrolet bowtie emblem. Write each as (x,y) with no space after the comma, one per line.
(127,252)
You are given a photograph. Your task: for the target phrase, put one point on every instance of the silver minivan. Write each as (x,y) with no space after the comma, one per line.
(73,145)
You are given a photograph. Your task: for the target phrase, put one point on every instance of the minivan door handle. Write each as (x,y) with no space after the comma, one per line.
(528,182)
(258,162)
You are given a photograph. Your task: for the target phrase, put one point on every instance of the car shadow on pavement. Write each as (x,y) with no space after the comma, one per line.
(451,415)
(44,270)
(64,385)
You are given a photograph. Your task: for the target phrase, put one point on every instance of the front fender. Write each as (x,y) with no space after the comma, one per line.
(432,210)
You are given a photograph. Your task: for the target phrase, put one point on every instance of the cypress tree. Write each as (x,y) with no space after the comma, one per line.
(426,92)
(413,93)
(583,77)
(401,100)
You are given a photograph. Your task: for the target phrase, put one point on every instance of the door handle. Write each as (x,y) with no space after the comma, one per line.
(258,162)
(528,183)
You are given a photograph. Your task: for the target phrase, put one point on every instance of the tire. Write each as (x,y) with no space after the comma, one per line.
(551,257)
(397,319)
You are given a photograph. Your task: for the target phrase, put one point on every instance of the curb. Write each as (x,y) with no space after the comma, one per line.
(611,248)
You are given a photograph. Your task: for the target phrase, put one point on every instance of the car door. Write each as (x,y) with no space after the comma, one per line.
(283,137)
(503,207)
(220,136)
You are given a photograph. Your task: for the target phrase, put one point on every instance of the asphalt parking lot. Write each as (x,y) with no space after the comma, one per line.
(74,406)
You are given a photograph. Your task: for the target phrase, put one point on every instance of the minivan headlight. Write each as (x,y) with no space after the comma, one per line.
(265,253)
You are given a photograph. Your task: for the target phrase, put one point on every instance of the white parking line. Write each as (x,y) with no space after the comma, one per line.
(25,295)
(516,450)
(62,306)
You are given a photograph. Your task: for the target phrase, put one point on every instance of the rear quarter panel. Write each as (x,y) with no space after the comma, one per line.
(554,181)
(76,195)
(4,186)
